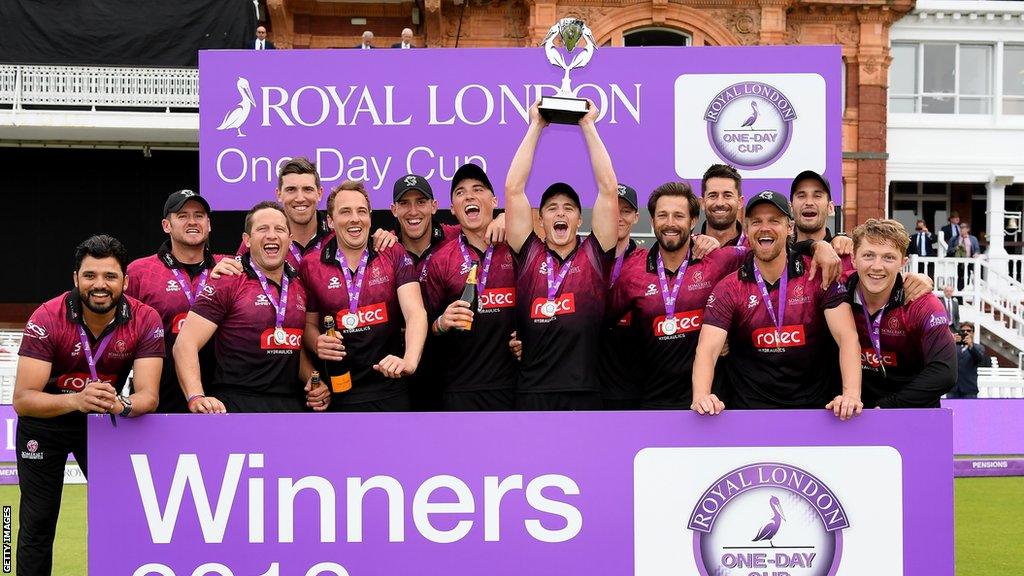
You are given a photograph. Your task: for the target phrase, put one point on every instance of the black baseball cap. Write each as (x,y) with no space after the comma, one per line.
(770,197)
(177,199)
(560,188)
(811,175)
(412,182)
(628,193)
(471,172)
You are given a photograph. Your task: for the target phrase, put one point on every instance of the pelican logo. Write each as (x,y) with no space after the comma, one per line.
(238,115)
(768,518)
(750,124)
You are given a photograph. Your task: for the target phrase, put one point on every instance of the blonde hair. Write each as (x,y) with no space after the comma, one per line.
(882,230)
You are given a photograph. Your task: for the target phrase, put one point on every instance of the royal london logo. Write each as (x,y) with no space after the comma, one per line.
(768,518)
(750,124)
(237,116)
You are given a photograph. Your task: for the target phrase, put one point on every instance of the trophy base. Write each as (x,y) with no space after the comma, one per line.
(562,110)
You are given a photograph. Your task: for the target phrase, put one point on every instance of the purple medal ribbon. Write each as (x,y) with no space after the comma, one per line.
(783,283)
(186,287)
(555,283)
(353,287)
(279,307)
(667,294)
(874,330)
(617,269)
(92,360)
(481,281)
(298,253)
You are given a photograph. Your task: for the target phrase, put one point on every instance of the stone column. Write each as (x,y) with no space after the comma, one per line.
(773,21)
(995,215)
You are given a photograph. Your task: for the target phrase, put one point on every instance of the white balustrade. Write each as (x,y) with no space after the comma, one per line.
(40,86)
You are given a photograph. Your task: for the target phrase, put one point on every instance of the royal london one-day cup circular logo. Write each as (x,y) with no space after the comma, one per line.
(769,519)
(750,124)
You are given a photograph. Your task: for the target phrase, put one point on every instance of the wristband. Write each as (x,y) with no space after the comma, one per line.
(193,397)
(437,324)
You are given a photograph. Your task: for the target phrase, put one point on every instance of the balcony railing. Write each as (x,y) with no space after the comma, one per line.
(103,87)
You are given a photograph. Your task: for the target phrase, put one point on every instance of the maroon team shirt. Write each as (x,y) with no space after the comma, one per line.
(440,235)
(51,335)
(478,359)
(152,281)
(296,250)
(665,362)
(559,352)
(770,368)
(379,331)
(619,347)
(249,360)
(917,350)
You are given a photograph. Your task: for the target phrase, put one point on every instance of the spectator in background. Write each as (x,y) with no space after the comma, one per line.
(969,357)
(406,40)
(951,231)
(952,307)
(261,40)
(922,243)
(966,246)
(367,43)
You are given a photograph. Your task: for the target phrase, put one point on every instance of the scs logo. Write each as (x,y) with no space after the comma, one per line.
(292,341)
(178,322)
(689,321)
(565,304)
(75,381)
(367,315)
(869,359)
(787,337)
(498,298)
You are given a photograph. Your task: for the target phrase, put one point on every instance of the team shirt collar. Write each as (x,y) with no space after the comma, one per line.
(168,259)
(579,242)
(251,273)
(896,298)
(329,253)
(436,238)
(734,241)
(796,265)
(652,259)
(73,306)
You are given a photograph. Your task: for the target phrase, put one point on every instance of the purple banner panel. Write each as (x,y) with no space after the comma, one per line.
(650,494)
(666,114)
(9,423)
(987,426)
(988,467)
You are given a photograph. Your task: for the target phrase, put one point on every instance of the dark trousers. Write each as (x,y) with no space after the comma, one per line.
(480,401)
(397,403)
(954,394)
(41,477)
(560,401)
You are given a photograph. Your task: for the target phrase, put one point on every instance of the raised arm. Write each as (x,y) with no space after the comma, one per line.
(606,206)
(519,213)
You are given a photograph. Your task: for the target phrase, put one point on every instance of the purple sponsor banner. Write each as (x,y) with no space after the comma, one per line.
(667,114)
(987,426)
(521,493)
(988,467)
(9,422)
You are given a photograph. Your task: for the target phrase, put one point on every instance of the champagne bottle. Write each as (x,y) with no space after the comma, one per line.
(469,295)
(338,371)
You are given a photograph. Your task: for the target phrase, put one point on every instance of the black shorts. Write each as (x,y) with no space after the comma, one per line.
(480,401)
(398,403)
(558,401)
(620,404)
(242,403)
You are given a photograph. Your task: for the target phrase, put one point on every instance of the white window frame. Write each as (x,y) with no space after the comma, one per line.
(920,94)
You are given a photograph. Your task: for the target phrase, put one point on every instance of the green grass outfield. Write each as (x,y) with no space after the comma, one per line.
(989,527)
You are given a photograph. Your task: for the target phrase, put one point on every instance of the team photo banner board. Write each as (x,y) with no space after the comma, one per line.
(651,494)
(375,115)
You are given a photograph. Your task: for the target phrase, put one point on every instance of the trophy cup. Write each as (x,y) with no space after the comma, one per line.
(565,107)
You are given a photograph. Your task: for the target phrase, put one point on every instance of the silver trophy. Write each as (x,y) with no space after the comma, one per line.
(565,107)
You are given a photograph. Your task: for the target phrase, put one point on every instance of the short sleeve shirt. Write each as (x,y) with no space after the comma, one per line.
(379,330)
(559,351)
(249,359)
(52,335)
(768,367)
(477,359)
(665,361)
